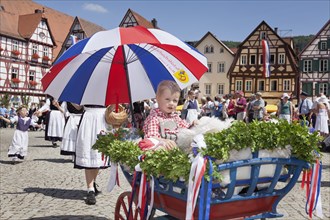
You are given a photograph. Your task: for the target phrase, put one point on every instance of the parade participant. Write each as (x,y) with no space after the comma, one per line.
(4,114)
(231,107)
(192,107)
(73,114)
(322,116)
(258,107)
(305,108)
(168,94)
(249,109)
(240,106)
(19,145)
(285,108)
(54,120)
(91,124)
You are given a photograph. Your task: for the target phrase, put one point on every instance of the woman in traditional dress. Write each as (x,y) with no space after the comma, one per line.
(91,124)
(73,114)
(322,117)
(192,107)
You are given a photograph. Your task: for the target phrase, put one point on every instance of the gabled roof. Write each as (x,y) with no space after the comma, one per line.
(139,19)
(318,33)
(220,42)
(89,27)
(27,24)
(59,23)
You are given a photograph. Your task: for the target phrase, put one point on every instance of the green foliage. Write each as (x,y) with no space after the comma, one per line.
(5,99)
(261,135)
(174,163)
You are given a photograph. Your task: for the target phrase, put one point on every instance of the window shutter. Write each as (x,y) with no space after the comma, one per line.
(301,65)
(319,45)
(328,43)
(317,86)
(315,65)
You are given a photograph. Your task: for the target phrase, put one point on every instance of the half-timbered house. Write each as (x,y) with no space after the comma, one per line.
(314,64)
(26,55)
(246,71)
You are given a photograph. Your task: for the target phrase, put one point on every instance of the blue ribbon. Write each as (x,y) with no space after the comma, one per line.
(201,199)
(209,193)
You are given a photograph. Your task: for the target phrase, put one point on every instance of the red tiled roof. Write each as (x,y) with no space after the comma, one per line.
(59,22)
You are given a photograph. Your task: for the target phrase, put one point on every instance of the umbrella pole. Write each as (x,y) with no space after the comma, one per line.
(129,88)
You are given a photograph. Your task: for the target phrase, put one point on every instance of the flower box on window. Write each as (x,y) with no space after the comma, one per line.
(45,58)
(15,52)
(35,56)
(33,83)
(15,80)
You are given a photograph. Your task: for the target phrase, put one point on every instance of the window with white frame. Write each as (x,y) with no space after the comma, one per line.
(209,65)
(221,89)
(323,45)
(286,85)
(263,35)
(273,85)
(239,85)
(221,67)
(324,65)
(208,88)
(261,85)
(45,52)
(14,45)
(281,58)
(323,88)
(14,73)
(221,50)
(248,85)
(32,75)
(272,58)
(211,49)
(243,59)
(206,49)
(252,59)
(34,49)
(307,67)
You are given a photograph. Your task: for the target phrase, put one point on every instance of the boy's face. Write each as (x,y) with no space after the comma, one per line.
(167,101)
(23,112)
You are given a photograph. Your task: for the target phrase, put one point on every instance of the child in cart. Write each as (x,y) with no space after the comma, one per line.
(19,145)
(163,123)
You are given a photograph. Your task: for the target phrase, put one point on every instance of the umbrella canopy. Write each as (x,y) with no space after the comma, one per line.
(122,65)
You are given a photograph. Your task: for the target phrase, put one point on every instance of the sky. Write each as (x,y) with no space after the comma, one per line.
(191,20)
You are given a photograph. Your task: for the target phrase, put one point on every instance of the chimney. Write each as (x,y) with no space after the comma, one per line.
(276,29)
(37,11)
(154,22)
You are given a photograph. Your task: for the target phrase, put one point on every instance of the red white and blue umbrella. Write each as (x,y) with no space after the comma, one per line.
(122,65)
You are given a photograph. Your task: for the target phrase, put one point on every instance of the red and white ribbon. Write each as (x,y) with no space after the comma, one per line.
(197,171)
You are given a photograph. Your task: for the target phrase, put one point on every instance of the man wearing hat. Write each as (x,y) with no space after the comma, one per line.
(305,107)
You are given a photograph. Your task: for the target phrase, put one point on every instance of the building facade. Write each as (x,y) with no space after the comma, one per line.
(314,64)
(25,58)
(246,71)
(219,58)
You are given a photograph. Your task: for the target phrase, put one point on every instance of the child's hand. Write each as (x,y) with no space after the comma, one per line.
(167,144)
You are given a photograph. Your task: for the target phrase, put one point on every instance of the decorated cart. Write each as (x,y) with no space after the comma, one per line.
(244,172)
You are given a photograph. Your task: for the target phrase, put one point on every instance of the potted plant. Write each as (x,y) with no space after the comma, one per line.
(15,52)
(45,58)
(35,56)
(33,83)
(15,80)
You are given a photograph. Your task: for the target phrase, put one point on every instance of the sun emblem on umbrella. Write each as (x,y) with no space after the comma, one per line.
(182,76)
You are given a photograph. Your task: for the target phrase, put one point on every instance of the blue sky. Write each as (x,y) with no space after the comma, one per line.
(191,20)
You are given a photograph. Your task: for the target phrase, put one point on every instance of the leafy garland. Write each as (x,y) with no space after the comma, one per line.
(173,164)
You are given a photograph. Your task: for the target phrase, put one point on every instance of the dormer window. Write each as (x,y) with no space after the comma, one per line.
(206,49)
(263,35)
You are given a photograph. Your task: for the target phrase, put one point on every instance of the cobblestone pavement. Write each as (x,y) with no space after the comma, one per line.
(45,186)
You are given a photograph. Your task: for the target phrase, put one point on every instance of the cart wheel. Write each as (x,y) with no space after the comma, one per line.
(122,207)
